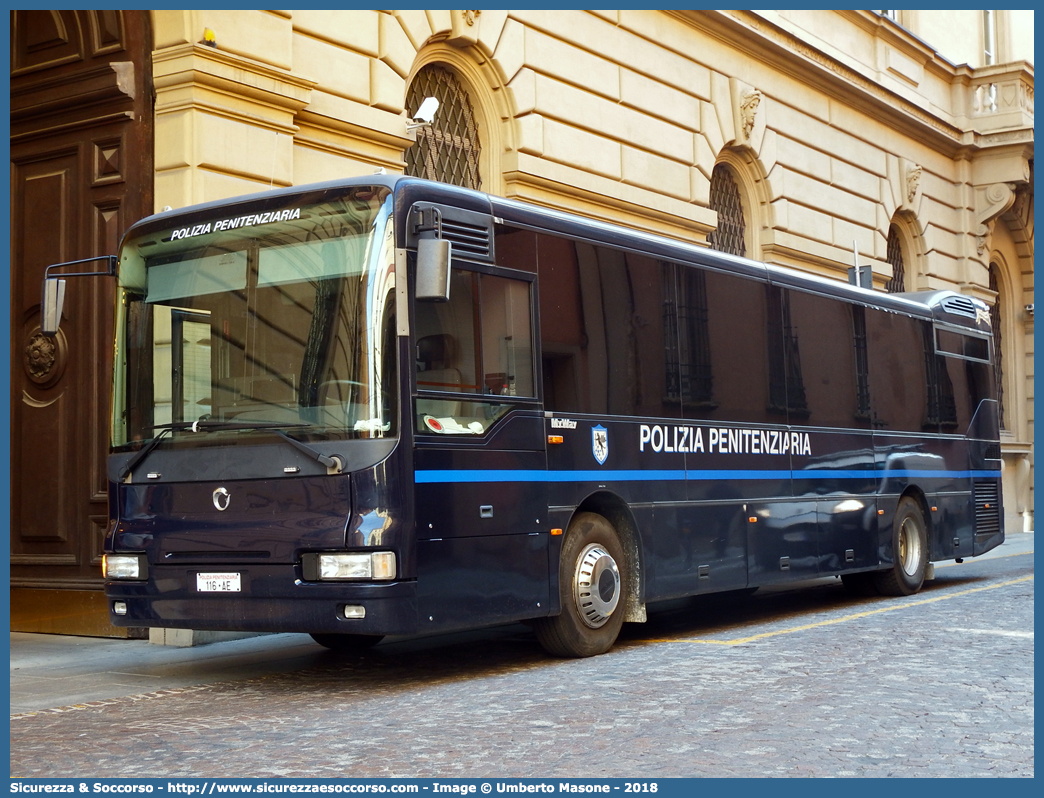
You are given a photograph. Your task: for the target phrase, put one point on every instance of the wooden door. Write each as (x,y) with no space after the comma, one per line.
(81,171)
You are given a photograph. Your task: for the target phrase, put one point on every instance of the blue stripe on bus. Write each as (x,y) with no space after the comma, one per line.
(470,475)
(916,474)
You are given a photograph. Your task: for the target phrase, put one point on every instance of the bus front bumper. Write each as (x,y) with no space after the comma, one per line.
(269,598)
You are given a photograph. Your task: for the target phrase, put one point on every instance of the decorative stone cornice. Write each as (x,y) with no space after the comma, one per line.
(348,140)
(673,219)
(787,51)
(192,76)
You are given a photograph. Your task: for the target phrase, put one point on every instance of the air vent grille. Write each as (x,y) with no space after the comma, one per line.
(959,306)
(468,240)
(987,508)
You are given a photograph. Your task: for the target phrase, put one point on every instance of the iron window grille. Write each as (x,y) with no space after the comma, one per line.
(730,236)
(448,150)
(895,258)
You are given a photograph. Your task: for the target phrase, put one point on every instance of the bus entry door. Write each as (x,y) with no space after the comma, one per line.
(482,527)
(481,469)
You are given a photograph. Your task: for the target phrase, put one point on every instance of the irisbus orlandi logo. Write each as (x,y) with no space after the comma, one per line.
(722,440)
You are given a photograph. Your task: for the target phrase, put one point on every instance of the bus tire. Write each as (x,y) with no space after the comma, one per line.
(592,576)
(346,643)
(909,552)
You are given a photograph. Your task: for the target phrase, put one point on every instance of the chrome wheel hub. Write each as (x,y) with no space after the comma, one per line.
(909,547)
(596,585)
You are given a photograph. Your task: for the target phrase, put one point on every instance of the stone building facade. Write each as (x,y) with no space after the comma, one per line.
(792,137)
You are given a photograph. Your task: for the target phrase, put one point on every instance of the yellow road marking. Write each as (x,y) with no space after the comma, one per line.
(853,617)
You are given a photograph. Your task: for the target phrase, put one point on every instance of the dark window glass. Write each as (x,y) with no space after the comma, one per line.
(688,353)
(564,348)
(826,337)
(898,373)
(515,248)
(862,363)
(724,360)
(961,398)
(980,384)
(969,381)
(786,380)
(602,330)
(954,343)
(942,402)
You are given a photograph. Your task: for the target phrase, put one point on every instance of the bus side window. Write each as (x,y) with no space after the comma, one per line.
(826,335)
(507,332)
(563,340)
(479,343)
(722,327)
(515,248)
(446,347)
(602,318)
(898,376)
(970,375)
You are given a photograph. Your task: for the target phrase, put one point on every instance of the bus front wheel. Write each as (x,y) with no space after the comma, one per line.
(345,643)
(909,552)
(592,575)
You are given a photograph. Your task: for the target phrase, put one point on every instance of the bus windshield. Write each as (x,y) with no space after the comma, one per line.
(260,317)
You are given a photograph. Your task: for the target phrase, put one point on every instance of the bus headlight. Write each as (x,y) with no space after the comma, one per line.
(124,566)
(371,565)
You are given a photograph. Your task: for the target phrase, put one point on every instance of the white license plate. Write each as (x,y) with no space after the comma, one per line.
(218,583)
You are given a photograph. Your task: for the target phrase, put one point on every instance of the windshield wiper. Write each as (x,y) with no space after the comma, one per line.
(144,451)
(207,424)
(335,463)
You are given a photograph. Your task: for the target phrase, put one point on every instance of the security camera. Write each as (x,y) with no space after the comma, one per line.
(425,114)
(1029,310)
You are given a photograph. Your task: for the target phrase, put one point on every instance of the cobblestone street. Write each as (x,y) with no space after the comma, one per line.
(802,682)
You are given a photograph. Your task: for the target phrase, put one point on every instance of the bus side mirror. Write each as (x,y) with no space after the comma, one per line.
(433,269)
(53,299)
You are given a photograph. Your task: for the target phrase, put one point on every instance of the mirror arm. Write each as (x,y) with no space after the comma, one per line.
(110,270)
(54,289)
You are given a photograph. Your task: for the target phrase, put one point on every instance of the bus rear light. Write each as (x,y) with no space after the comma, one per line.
(373,565)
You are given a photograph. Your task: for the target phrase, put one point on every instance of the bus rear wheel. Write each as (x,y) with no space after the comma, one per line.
(909,552)
(592,574)
(345,643)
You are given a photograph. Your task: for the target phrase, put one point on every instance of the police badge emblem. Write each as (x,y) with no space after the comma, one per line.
(600,443)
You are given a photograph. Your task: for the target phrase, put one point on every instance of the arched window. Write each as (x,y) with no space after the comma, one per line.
(731,234)
(895,258)
(448,150)
(995,323)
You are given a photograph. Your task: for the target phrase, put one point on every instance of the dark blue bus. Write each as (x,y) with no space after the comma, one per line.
(384,406)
